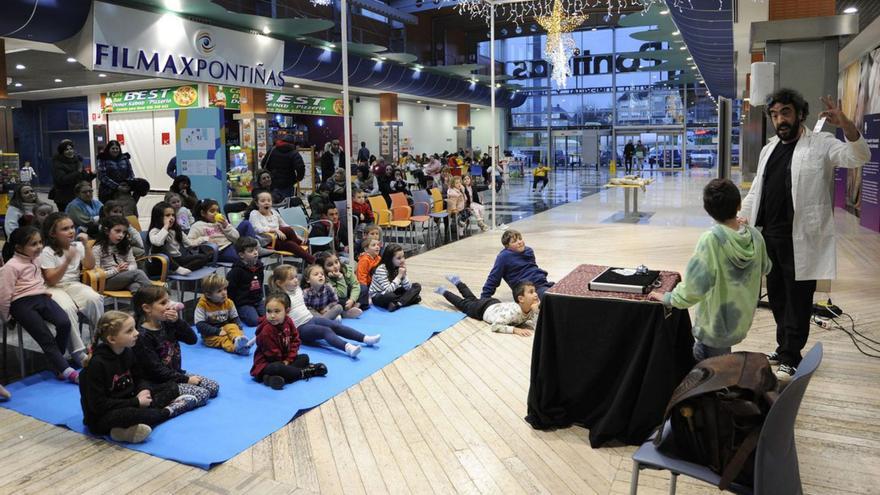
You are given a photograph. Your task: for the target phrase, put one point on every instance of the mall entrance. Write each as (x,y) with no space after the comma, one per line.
(661,149)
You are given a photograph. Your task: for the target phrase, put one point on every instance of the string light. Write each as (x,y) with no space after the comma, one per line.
(560,45)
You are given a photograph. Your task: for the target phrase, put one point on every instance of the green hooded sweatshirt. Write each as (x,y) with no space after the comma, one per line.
(723,278)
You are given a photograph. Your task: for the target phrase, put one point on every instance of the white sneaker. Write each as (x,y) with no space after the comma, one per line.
(182,270)
(372,340)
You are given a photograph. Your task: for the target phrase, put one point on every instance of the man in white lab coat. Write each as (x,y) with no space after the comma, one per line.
(791,201)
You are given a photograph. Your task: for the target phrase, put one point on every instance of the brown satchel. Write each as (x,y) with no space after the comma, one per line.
(716,414)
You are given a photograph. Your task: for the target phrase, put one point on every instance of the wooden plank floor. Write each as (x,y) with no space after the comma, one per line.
(447,416)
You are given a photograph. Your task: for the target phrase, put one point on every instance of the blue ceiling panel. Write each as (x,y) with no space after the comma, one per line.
(46,21)
(707,28)
(325,65)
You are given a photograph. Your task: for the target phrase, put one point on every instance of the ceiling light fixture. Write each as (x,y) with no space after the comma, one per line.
(682,48)
(850,10)
(296,86)
(418,101)
(664,12)
(266,30)
(331,45)
(17,85)
(20,67)
(71,59)
(676,33)
(57,80)
(102,75)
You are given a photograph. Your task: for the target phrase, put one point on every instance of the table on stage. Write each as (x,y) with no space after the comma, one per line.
(607,361)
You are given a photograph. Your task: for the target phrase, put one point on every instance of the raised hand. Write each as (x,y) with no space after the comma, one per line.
(835,116)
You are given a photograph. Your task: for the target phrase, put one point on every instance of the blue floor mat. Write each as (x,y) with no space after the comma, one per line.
(245,412)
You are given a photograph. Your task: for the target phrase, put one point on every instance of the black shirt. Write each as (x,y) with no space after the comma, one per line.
(776,211)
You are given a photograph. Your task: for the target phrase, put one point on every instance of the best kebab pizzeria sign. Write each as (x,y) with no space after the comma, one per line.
(230,98)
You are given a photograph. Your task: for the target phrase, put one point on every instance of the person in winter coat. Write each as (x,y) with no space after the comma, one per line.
(114,172)
(67,171)
(332,159)
(285,165)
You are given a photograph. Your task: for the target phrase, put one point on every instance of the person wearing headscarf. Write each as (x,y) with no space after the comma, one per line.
(114,171)
(67,171)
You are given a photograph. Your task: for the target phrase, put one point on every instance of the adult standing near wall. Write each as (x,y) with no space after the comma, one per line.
(332,159)
(285,165)
(790,200)
(67,171)
(114,171)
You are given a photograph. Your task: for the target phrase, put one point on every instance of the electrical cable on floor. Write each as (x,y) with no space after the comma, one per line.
(833,323)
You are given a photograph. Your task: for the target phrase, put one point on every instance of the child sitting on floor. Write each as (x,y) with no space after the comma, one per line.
(112,252)
(217,319)
(319,296)
(158,344)
(277,360)
(370,233)
(504,317)
(246,281)
(314,328)
(367,264)
(213,227)
(723,277)
(167,237)
(344,281)
(390,289)
(23,296)
(515,264)
(113,396)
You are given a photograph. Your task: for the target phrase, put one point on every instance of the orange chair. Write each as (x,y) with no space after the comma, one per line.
(401,212)
(381,213)
(96,278)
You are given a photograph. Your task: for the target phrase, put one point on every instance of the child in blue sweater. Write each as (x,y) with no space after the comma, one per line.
(515,264)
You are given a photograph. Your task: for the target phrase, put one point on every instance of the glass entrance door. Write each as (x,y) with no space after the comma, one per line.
(566,150)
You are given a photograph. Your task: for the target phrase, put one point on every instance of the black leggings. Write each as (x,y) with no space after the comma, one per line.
(404,297)
(191,261)
(470,305)
(290,372)
(32,313)
(124,417)
(541,179)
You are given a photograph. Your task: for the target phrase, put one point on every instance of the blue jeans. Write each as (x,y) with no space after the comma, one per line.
(250,315)
(228,254)
(284,192)
(702,351)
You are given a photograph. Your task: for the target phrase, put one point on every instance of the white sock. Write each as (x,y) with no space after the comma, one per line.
(352,350)
(372,339)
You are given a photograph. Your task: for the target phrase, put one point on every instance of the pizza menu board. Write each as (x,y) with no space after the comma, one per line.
(144,100)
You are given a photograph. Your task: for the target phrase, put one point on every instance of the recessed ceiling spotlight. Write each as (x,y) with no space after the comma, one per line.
(497,85)
(690,58)
(444,104)
(71,59)
(383,58)
(418,101)
(57,80)
(664,12)
(850,10)
(682,48)
(331,45)
(102,75)
(296,86)
(266,30)
(20,67)
(594,29)
(17,85)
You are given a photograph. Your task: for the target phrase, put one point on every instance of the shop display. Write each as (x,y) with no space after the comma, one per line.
(240,177)
(9,170)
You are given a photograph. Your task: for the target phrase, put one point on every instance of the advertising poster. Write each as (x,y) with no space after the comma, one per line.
(870,213)
(150,99)
(385,141)
(230,98)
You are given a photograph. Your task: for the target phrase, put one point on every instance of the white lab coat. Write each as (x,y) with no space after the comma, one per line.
(812,178)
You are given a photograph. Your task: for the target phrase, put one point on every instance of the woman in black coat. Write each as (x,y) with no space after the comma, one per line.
(67,171)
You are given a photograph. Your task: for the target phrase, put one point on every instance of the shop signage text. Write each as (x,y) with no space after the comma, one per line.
(133,41)
(230,98)
(584,65)
(186,96)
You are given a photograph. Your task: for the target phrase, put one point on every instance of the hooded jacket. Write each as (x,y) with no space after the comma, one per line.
(245,283)
(285,164)
(723,278)
(275,344)
(110,381)
(66,173)
(112,172)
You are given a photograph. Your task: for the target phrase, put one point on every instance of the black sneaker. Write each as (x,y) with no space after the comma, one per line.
(314,369)
(773,357)
(274,381)
(785,372)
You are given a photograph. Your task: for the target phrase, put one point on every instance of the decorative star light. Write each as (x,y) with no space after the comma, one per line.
(560,45)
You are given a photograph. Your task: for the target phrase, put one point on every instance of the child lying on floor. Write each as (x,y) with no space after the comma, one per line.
(504,317)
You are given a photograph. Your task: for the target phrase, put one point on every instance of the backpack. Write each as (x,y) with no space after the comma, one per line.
(716,414)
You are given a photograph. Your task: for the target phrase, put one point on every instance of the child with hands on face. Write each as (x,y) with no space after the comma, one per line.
(158,345)
(114,397)
(113,254)
(344,281)
(213,227)
(167,237)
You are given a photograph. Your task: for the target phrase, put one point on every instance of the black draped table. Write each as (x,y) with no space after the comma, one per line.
(607,361)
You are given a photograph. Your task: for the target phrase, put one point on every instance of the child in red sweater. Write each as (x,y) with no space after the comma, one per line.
(361,208)
(277,360)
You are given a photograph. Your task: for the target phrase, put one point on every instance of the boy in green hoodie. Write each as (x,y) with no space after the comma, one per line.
(723,276)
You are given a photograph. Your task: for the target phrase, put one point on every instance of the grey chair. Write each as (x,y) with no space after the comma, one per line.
(776,461)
